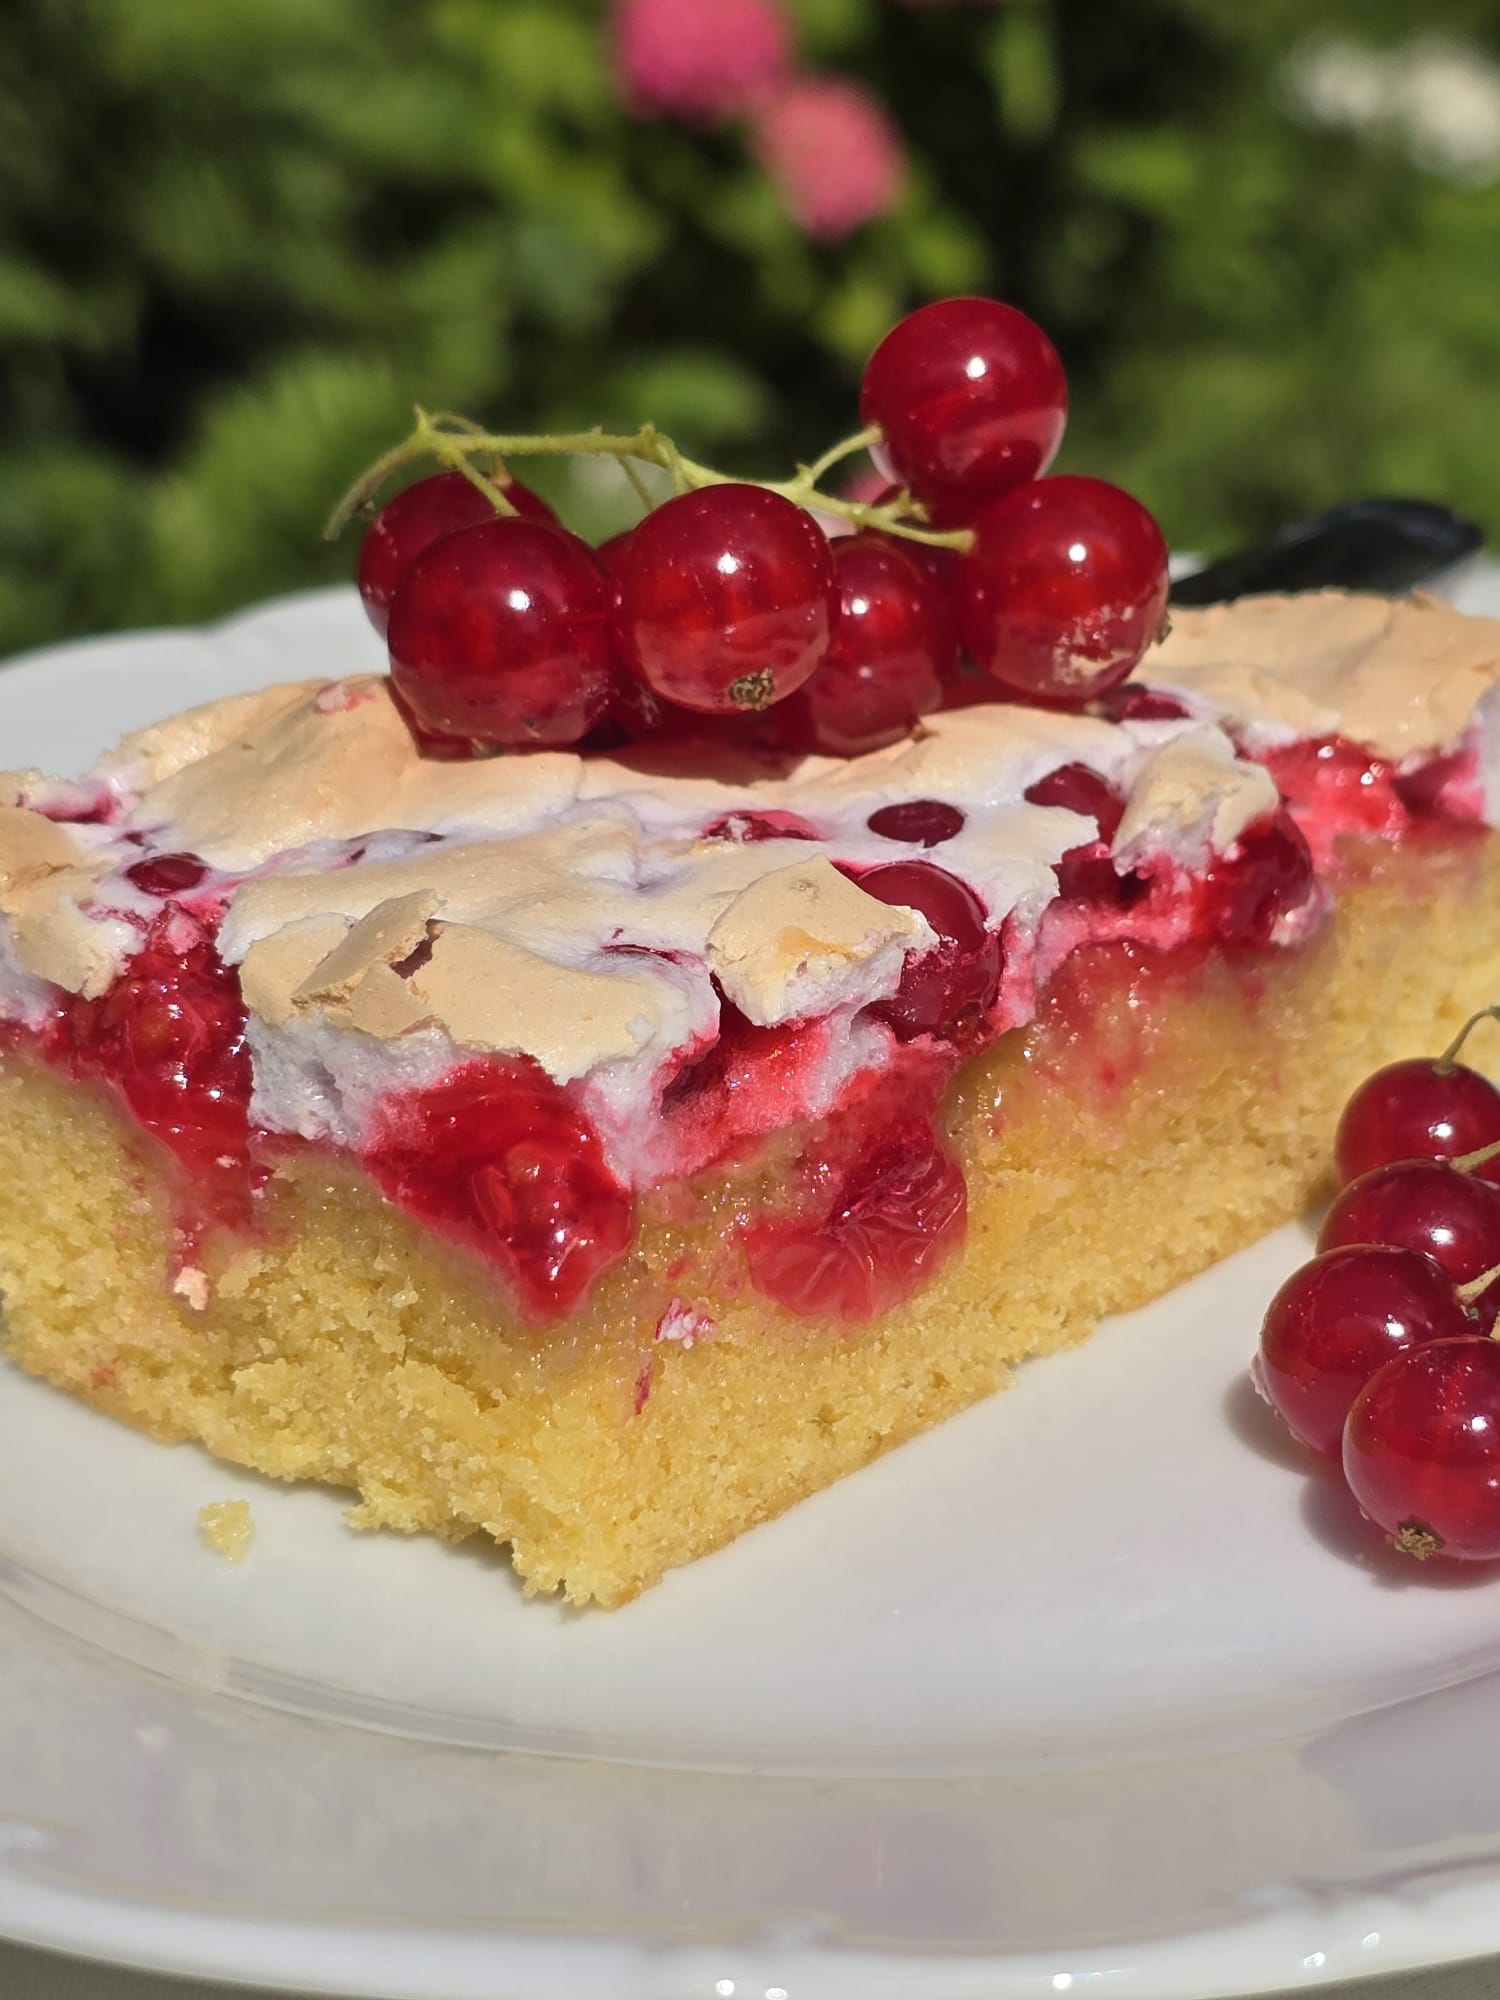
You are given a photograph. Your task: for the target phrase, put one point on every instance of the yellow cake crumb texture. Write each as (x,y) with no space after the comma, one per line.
(228,1527)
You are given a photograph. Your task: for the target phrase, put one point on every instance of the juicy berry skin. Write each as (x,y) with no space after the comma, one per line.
(169,1035)
(946,990)
(1337,1320)
(1422,1449)
(496,1157)
(923,822)
(892,647)
(1268,871)
(1424,1205)
(1064,588)
(725,600)
(1418,1110)
(498,634)
(879,1228)
(1083,791)
(167,874)
(971,398)
(420,516)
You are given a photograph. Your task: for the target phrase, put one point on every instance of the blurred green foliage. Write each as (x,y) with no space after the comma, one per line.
(239,239)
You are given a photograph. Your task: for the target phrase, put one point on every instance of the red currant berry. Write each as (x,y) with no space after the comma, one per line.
(892,1217)
(1267,872)
(1424,1205)
(893,643)
(725,599)
(1133,701)
(943,990)
(417,518)
(167,874)
(170,1036)
(1337,1320)
(970,397)
(921,822)
(1064,589)
(499,1159)
(1081,791)
(1418,1110)
(611,554)
(1422,1449)
(498,634)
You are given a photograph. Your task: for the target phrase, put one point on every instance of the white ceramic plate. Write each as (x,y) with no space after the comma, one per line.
(1094,1687)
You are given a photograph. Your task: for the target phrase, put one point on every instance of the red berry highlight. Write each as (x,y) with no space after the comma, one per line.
(1422,1450)
(1424,1205)
(892,646)
(417,518)
(1064,589)
(1337,1320)
(1418,1110)
(947,990)
(725,599)
(878,1230)
(971,398)
(498,634)
(497,1157)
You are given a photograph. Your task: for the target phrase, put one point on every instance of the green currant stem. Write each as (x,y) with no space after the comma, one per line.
(1481,1157)
(1450,1054)
(1466,1294)
(454,441)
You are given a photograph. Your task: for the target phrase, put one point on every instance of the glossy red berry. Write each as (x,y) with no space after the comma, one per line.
(417,518)
(944,990)
(1421,1109)
(170,1036)
(1337,1320)
(1424,1205)
(1064,588)
(1133,701)
(970,397)
(1267,873)
(498,633)
(919,822)
(876,1229)
(1083,791)
(499,1159)
(1422,1449)
(725,599)
(167,874)
(894,642)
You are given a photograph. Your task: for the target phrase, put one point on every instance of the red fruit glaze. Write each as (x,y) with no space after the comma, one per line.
(1422,1205)
(942,991)
(725,599)
(1422,1449)
(1339,779)
(894,642)
(1418,1110)
(497,1158)
(498,634)
(170,1037)
(1268,872)
(1064,589)
(922,822)
(417,518)
(1337,1320)
(167,874)
(878,1228)
(738,828)
(971,398)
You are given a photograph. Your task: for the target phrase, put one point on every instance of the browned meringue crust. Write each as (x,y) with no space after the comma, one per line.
(1402,675)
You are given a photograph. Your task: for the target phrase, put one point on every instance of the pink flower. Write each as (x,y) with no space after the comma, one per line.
(699,59)
(833,152)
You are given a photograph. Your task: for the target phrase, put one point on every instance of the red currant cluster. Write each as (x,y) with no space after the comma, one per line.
(730,600)
(1382,1352)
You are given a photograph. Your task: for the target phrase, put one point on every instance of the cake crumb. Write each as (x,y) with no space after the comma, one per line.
(192,1284)
(228,1527)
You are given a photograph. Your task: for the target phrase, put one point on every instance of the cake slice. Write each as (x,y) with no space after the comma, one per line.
(604,1151)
